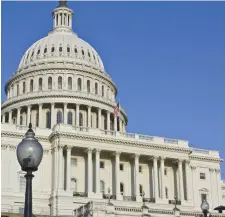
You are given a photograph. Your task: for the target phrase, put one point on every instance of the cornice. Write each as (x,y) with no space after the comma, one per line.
(60,94)
(209,159)
(119,142)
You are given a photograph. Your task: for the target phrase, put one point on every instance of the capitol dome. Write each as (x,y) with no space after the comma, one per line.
(61,79)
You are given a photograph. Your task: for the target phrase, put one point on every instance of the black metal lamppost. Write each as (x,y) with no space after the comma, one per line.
(205,208)
(176,210)
(29,154)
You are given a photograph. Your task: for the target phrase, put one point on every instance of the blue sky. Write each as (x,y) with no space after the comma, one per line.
(166,58)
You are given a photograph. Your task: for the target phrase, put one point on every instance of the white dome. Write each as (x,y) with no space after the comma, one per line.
(63,46)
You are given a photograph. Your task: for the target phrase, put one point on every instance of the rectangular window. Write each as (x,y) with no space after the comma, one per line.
(73,162)
(102,165)
(203,197)
(140,169)
(121,167)
(202,175)
(165,172)
(22,184)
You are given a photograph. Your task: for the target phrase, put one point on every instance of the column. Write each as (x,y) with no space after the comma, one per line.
(18,116)
(212,200)
(218,178)
(99,118)
(52,114)
(193,181)
(121,126)
(10,117)
(28,114)
(187,180)
(61,174)
(89,151)
(3,118)
(136,166)
(108,120)
(40,115)
(115,123)
(180,169)
(77,114)
(97,175)
(56,167)
(162,177)
(64,113)
(156,187)
(117,172)
(68,163)
(89,116)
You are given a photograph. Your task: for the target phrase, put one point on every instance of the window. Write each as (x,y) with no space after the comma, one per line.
(96,88)
(203,197)
(102,165)
(21,120)
(88,86)
(48,119)
(79,84)
(70,83)
(103,91)
(49,83)
(53,49)
(102,186)
(140,169)
(68,49)
(21,210)
(166,192)
(59,117)
(69,117)
(80,119)
(121,188)
(121,167)
(82,52)
(22,184)
(75,50)
(31,85)
(73,185)
(24,87)
(18,89)
(38,51)
(60,82)
(89,54)
(45,50)
(141,189)
(165,172)
(60,49)
(202,175)
(40,84)
(73,162)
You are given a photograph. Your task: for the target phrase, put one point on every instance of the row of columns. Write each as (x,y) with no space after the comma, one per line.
(65,112)
(64,17)
(136,175)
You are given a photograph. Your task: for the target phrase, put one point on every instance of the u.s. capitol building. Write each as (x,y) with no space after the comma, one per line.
(61,87)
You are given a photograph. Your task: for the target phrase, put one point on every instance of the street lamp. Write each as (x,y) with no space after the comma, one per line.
(205,207)
(176,210)
(29,154)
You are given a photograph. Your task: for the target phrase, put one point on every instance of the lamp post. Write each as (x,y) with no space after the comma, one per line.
(29,155)
(205,207)
(176,210)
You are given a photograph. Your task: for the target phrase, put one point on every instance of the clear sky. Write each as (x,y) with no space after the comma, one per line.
(166,58)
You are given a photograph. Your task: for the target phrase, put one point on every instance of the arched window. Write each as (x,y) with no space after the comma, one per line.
(73,185)
(80,119)
(68,49)
(24,87)
(103,91)
(40,84)
(45,50)
(60,49)
(69,117)
(88,86)
(59,117)
(82,52)
(96,88)
(49,83)
(18,90)
(48,119)
(53,49)
(21,120)
(166,192)
(121,188)
(75,50)
(70,83)
(60,82)
(102,186)
(31,85)
(141,189)
(79,84)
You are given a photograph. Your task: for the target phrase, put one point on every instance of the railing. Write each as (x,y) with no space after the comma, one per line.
(108,132)
(80,194)
(149,200)
(171,141)
(129,198)
(80,128)
(200,151)
(173,202)
(128,135)
(128,209)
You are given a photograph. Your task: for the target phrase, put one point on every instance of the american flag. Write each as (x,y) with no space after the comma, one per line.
(117,109)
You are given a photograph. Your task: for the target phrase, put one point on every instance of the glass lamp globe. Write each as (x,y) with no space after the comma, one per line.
(29,152)
(205,206)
